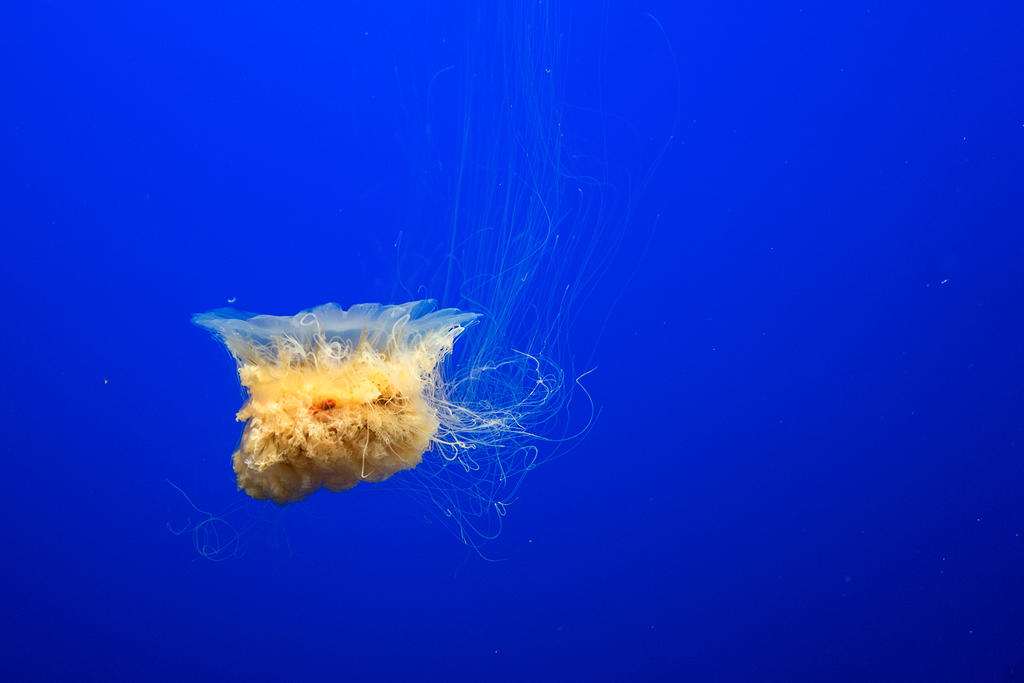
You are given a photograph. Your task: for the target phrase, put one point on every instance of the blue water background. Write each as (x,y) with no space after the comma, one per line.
(807,463)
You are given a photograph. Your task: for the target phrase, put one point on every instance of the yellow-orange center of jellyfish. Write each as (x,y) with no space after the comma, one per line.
(361,420)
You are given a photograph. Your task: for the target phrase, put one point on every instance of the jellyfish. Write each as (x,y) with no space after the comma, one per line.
(337,397)
(519,213)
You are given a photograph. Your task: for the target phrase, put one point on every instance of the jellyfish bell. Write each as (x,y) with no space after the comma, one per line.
(336,396)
